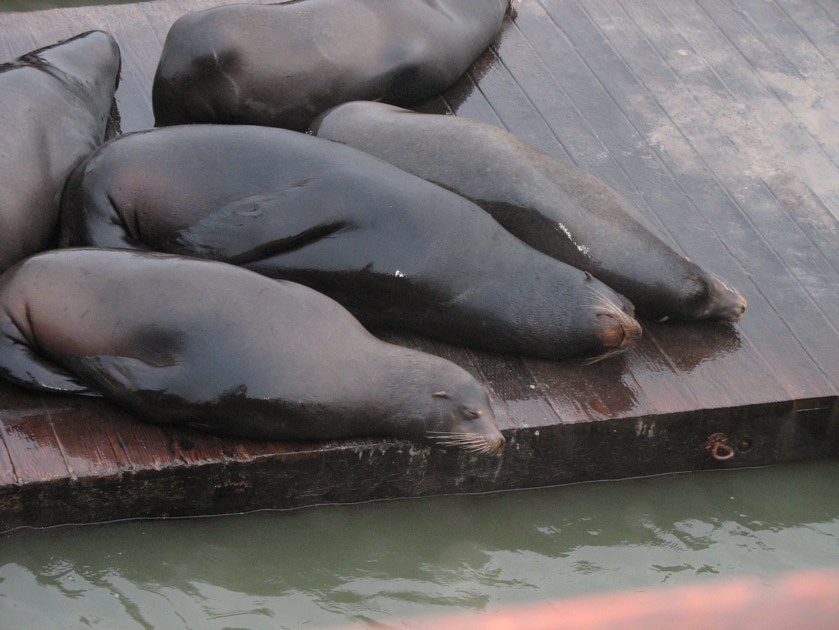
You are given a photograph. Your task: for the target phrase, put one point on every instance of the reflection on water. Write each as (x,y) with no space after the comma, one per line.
(333,565)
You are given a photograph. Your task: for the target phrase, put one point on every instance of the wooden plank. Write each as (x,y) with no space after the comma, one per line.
(781,77)
(734,152)
(671,177)
(33,449)
(7,469)
(89,446)
(195,448)
(143,444)
(831,9)
(538,33)
(579,143)
(780,250)
(780,152)
(784,35)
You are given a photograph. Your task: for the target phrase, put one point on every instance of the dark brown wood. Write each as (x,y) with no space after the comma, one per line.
(716,118)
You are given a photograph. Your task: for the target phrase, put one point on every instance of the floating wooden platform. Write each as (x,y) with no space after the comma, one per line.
(718,117)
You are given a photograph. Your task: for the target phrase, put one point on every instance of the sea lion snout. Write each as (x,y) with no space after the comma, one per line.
(483,440)
(616,328)
(465,421)
(724,301)
(492,442)
(618,331)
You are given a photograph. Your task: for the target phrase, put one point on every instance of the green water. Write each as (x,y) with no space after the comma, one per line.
(376,562)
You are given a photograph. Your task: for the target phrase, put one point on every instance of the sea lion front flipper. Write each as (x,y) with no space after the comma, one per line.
(89,217)
(264,225)
(22,365)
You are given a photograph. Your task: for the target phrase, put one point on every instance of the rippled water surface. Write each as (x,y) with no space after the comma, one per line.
(339,564)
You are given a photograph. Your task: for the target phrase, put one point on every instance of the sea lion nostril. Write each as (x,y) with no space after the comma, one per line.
(619,330)
(612,333)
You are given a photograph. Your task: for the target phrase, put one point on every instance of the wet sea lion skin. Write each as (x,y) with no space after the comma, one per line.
(548,203)
(54,108)
(397,251)
(281,65)
(213,346)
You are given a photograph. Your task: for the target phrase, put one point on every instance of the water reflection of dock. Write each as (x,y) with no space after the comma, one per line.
(718,120)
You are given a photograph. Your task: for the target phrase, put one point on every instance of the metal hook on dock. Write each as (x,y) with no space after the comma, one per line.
(720,449)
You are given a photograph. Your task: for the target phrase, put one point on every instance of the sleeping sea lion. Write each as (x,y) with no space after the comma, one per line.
(546,202)
(281,65)
(220,348)
(395,250)
(54,107)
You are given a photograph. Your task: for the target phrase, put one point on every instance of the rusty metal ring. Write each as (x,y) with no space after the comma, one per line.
(722,446)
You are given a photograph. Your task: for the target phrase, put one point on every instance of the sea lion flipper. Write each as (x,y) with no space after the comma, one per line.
(89,216)
(21,364)
(136,384)
(236,232)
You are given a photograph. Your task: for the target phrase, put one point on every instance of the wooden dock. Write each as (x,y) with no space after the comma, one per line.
(717,117)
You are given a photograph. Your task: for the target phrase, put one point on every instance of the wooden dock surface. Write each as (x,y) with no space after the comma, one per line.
(717,117)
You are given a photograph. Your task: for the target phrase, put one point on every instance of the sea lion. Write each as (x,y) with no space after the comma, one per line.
(220,348)
(54,107)
(395,250)
(546,202)
(281,65)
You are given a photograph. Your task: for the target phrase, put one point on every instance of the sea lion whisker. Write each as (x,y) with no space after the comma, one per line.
(463,445)
(605,301)
(475,446)
(451,439)
(472,442)
(606,355)
(454,434)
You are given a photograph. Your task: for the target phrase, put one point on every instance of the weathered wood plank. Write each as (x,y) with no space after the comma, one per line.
(673,176)
(789,259)
(7,469)
(779,151)
(783,79)
(87,441)
(362,470)
(33,449)
(815,24)
(735,152)
(561,68)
